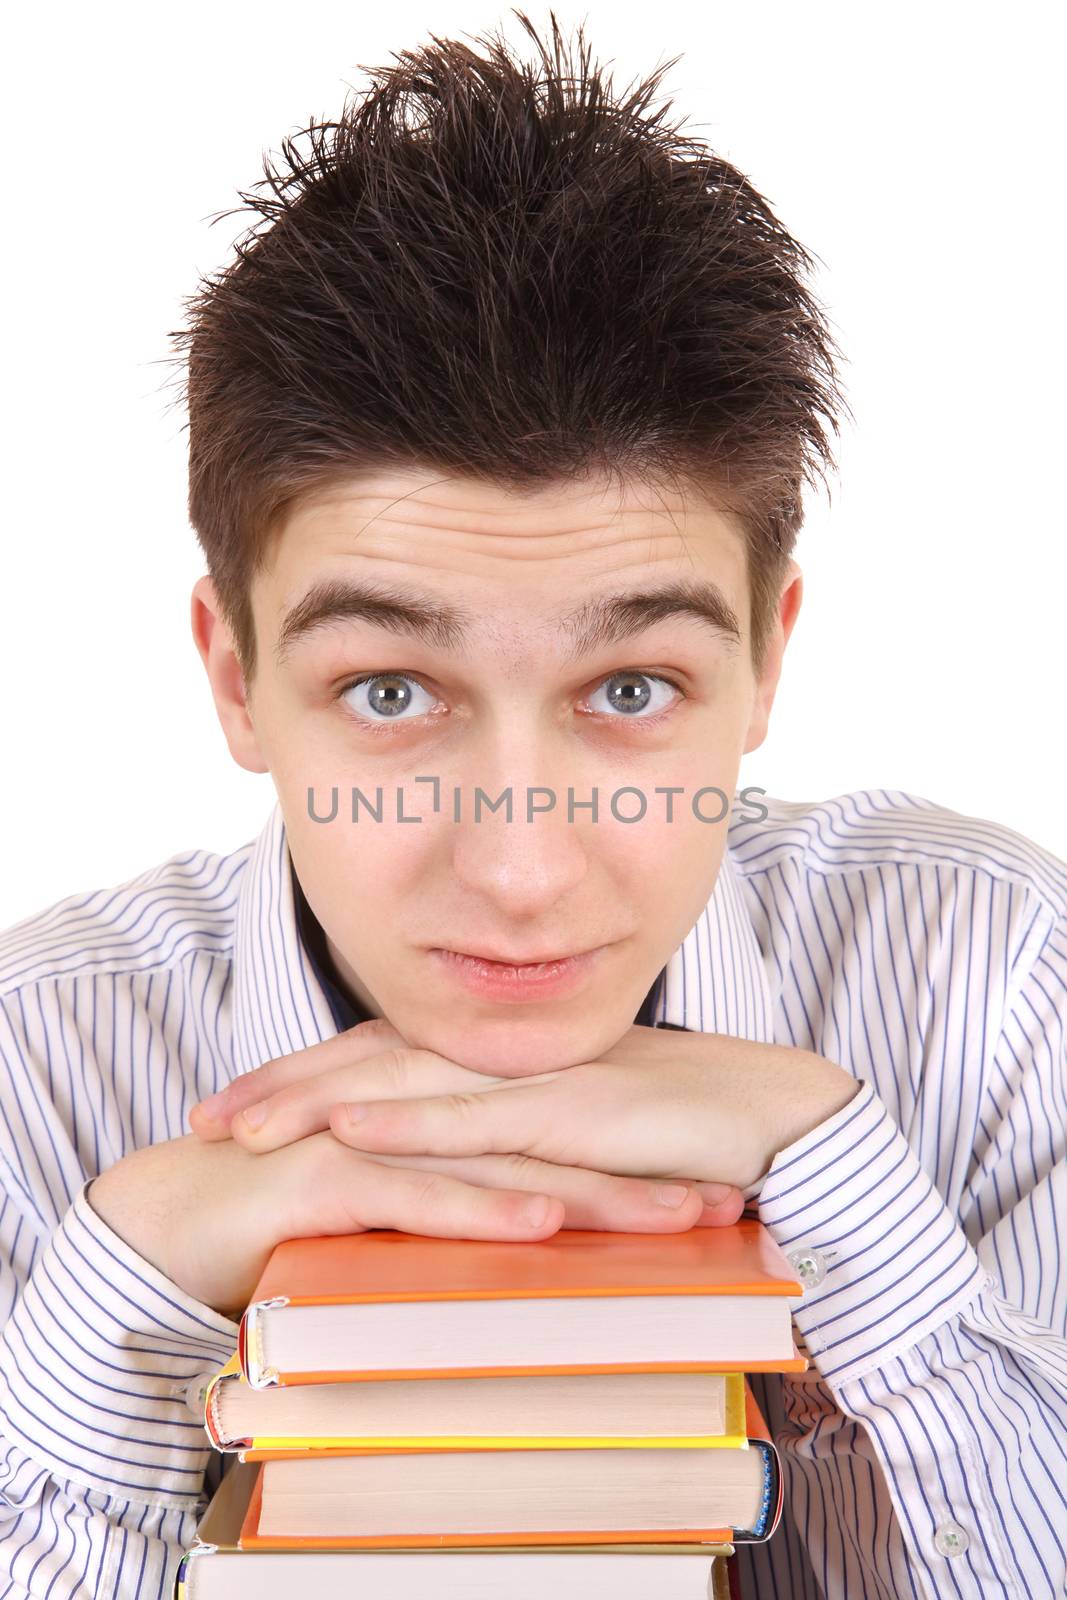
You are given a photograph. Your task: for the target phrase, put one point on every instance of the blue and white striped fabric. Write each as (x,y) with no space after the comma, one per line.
(924,1450)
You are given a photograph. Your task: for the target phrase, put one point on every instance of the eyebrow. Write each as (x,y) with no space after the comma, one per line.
(594,623)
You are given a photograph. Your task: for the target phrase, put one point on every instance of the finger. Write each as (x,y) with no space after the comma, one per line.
(598,1200)
(303,1108)
(500,1119)
(347,1192)
(210,1118)
(723,1204)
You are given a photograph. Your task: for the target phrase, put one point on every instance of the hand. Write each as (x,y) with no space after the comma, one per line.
(705,1108)
(373,1058)
(208,1216)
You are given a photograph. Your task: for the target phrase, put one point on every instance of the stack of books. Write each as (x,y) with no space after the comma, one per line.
(495,1417)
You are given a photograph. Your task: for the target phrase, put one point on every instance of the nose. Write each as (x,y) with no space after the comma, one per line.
(525,865)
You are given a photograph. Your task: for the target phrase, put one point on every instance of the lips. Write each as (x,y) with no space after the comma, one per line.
(492,979)
(517,960)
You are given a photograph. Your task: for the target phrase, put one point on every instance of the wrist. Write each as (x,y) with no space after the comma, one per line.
(134,1207)
(817,1090)
(189,1210)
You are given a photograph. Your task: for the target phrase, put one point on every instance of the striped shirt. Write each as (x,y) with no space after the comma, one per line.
(924,1450)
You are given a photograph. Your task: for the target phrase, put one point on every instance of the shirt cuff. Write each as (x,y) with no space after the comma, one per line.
(882,1260)
(101,1363)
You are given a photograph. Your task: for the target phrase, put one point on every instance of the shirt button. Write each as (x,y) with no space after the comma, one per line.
(809,1266)
(196,1392)
(950,1539)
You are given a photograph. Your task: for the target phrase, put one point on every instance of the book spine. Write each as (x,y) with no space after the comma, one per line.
(213,1415)
(770,1509)
(250,1343)
(183,1578)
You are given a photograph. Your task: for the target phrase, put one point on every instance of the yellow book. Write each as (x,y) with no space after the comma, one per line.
(709,1406)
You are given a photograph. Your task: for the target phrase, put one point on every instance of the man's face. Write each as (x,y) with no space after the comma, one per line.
(520,667)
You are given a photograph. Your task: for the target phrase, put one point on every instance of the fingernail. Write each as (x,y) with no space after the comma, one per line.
(535,1211)
(715,1193)
(212,1106)
(671,1194)
(255,1116)
(356,1111)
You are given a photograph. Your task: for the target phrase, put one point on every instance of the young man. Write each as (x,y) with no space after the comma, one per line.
(498,431)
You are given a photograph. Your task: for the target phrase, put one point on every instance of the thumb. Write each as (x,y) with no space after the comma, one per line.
(210,1118)
(723,1204)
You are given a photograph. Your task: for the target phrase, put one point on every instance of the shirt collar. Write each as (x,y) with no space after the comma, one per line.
(715,982)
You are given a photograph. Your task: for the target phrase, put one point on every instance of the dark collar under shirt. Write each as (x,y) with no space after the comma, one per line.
(347,1011)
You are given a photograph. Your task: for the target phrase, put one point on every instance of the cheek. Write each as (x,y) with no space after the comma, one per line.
(304,733)
(303,750)
(353,872)
(669,860)
(669,866)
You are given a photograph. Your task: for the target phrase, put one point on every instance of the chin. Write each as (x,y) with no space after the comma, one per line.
(512,1047)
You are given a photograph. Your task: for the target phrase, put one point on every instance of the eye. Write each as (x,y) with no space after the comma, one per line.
(387,697)
(640,695)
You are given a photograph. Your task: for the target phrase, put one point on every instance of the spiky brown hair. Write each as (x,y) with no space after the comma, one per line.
(503,270)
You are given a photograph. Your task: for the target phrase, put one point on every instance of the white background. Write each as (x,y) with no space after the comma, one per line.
(912,148)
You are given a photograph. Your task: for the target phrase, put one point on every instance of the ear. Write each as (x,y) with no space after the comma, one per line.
(215,644)
(789,599)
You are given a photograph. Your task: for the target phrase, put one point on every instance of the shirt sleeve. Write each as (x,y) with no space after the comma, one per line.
(943,1333)
(103,1451)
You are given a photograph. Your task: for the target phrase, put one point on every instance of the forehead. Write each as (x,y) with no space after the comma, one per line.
(523,553)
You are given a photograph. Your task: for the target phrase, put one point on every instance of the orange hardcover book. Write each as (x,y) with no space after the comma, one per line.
(764,1523)
(330,1310)
(217,1568)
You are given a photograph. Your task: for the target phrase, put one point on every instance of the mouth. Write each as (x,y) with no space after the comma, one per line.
(531,978)
(499,960)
